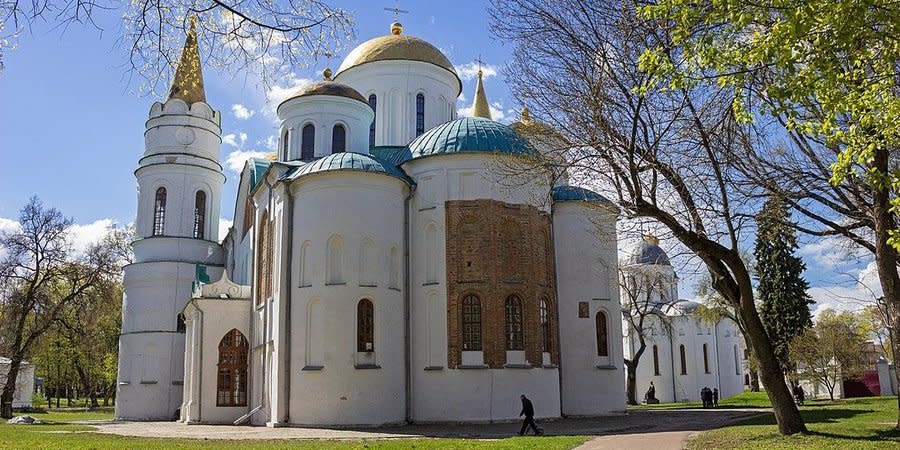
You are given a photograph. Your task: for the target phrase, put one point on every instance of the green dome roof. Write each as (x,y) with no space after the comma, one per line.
(469,134)
(575,193)
(347,161)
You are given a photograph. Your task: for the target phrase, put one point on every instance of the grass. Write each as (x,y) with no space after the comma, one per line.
(57,432)
(745,399)
(861,423)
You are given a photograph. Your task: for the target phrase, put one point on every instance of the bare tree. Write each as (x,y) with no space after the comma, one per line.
(831,350)
(645,291)
(265,38)
(666,154)
(40,276)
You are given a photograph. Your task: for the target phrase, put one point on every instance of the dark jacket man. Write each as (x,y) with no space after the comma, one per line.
(528,412)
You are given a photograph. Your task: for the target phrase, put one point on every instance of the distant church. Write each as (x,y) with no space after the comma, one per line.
(377,270)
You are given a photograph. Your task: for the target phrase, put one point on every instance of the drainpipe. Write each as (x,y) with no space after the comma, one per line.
(406,304)
(672,361)
(288,240)
(200,382)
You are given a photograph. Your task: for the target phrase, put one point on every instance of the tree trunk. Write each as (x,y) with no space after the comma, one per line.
(89,391)
(885,254)
(9,389)
(786,412)
(754,381)
(631,382)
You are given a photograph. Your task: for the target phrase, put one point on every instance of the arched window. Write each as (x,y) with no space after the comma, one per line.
(199,214)
(231,386)
(180,325)
(683,360)
(655,360)
(602,338)
(308,142)
(546,330)
(264,260)
(420,114)
(334,263)
(365,326)
(737,361)
(285,146)
(338,139)
(471,323)
(431,253)
(373,102)
(159,212)
(705,359)
(305,276)
(515,337)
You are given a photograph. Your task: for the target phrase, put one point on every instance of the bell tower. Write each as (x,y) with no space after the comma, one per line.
(180,182)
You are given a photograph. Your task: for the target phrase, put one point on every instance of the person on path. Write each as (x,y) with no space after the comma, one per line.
(528,412)
(715,398)
(705,395)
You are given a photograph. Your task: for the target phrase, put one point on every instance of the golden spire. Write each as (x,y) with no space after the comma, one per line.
(526,115)
(480,107)
(188,82)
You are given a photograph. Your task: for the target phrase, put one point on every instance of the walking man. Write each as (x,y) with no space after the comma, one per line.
(528,412)
(715,398)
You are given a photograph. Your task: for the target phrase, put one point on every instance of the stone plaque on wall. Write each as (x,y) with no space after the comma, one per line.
(584,310)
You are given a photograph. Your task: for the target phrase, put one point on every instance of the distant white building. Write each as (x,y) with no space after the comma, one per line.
(377,270)
(684,354)
(24,382)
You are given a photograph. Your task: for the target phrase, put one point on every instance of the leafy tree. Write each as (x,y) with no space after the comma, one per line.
(784,302)
(820,79)
(831,350)
(40,278)
(663,155)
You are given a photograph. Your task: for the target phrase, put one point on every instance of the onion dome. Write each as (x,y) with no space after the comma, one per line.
(396,47)
(327,87)
(469,134)
(686,306)
(648,252)
(347,161)
(575,193)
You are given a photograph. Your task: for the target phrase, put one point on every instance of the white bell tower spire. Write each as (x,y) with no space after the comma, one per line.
(177,225)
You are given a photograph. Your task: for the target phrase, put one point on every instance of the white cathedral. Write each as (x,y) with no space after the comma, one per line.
(377,271)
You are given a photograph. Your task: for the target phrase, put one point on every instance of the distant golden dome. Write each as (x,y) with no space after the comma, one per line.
(396,46)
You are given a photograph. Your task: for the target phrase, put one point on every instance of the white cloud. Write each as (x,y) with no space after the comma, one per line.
(462,97)
(279,92)
(850,293)
(241,111)
(497,113)
(469,71)
(9,225)
(830,252)
(224,225)
(235,140)
(83,236)
(271,142)
(236,159)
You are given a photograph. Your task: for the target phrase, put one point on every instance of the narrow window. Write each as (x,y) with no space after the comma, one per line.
(683,360)
(737,361)
(602,340)
(248,216)
(365,326)
(338,139)
(180,325)
(471,323)
(159,212)
(431,253)
(705,359)
(515,338)
(285,146)
(264,260)
(546,335)
(373,102)
(308,142)
(199,214)
(335,260)
(655,360)
(231,386)
(420,114)
(305,276)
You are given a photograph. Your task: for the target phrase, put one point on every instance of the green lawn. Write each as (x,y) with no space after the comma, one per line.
(58,433)
(862,423)
(745,399)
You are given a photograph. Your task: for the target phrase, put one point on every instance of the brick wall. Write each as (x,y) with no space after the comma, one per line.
(495,250)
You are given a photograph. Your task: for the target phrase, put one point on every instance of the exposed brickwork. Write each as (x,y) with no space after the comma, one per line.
(495,250)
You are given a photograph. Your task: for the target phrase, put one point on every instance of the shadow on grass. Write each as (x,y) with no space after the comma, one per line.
(810,416)
(882,435)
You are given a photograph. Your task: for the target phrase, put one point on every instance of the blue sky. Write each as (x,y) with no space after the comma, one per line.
(71,123)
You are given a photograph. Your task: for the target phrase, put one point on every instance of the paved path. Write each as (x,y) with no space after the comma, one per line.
(650,429)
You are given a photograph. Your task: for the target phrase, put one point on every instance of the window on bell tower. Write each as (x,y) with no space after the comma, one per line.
(199,214)
(420,114)
(159,212)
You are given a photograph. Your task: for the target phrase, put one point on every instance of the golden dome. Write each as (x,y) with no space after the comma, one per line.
(396,46)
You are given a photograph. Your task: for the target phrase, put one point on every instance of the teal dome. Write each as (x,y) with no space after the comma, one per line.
(575,193)
(469,134)
(347,161)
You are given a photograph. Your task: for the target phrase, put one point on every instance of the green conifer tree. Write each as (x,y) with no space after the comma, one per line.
(784,302)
